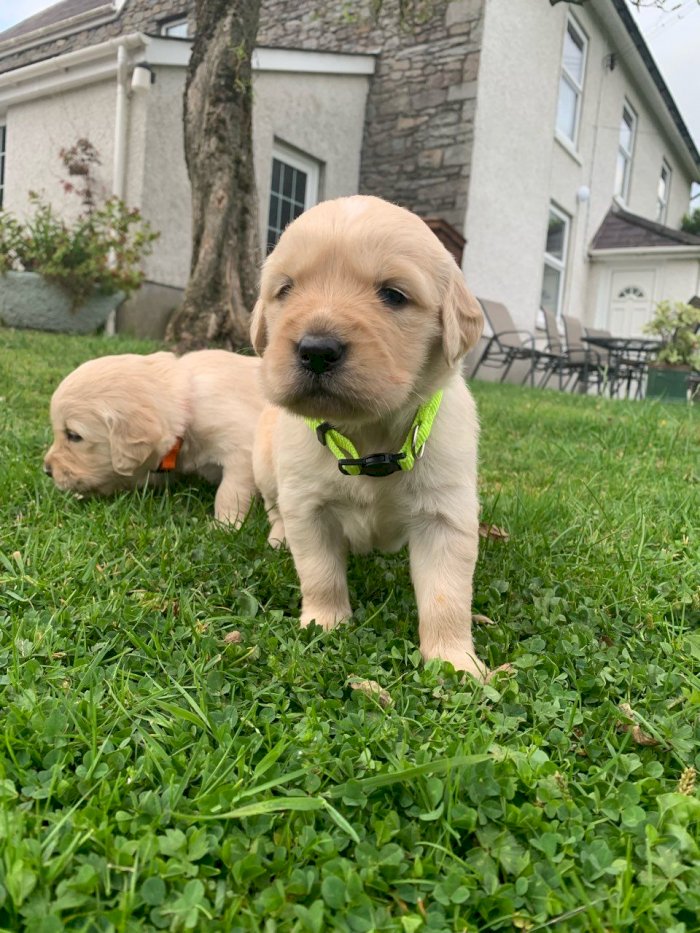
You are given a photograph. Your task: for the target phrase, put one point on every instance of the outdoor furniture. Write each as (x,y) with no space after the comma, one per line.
(575,366)
(596,369)
(628,359)
(508,344)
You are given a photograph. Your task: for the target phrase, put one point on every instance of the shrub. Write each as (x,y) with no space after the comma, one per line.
(100,252)
(677,324)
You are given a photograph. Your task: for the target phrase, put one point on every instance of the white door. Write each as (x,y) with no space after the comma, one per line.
(630,301)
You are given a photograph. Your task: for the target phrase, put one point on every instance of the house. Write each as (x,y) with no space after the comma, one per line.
(537,140)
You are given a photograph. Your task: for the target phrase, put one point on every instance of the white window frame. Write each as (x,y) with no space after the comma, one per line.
(627,154)
(3,160)
(169,24)
(574,84)
(662,203)
(555,262)
(302,163)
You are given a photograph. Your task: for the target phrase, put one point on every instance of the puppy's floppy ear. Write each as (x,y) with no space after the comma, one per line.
(258,328)
(462,318)
(133,440)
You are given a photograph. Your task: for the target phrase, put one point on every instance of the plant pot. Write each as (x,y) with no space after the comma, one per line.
(28,300)
(669,383)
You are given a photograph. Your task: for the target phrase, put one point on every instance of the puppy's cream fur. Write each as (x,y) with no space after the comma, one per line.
(324,278)
(129,410)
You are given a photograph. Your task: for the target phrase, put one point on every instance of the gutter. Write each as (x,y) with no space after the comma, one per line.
(645,252)
(62,72)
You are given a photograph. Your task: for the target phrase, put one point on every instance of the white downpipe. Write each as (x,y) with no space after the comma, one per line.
(120,125)
(120,148)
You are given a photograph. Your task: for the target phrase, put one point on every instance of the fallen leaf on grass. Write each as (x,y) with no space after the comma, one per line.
(493,531)
(634,729)
(372,689)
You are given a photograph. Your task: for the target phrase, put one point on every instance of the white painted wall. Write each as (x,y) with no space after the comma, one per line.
(519,166)
(321,114)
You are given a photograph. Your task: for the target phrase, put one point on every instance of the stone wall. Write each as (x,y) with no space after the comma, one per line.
(420,111)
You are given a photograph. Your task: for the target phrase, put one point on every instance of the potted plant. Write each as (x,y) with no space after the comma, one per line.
(68,276)
(678,326)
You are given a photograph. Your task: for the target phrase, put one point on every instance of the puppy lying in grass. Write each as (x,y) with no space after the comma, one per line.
(371,437)
(118,419)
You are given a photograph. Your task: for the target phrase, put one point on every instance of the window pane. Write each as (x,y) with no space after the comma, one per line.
(555,236)
(566,109)
(285,213)
(573,53)
(178,30)
(300,188)
(620,174)
(276,169)
(287,180)
(550,289)
(626,130)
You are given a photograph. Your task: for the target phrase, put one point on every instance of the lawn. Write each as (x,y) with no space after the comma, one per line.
(176,754)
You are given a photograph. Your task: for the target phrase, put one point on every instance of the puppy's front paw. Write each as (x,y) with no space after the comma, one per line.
(276,537)
(326,618)
(460,659)
(231,519)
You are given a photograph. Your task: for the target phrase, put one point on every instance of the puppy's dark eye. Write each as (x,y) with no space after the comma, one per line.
(284,290)
(392,297)
(72,436)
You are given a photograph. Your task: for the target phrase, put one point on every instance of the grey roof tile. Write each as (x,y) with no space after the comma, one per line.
(622,230)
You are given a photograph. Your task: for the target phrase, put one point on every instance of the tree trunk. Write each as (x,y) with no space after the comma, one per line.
(223,279)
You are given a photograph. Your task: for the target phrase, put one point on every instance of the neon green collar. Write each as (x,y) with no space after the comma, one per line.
(352,464)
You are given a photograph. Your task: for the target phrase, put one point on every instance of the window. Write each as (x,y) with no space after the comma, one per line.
(631,291)
(555,250)
(3,136)
(662,192)
(293,189)
(573,66)
(176,28)
(623,169)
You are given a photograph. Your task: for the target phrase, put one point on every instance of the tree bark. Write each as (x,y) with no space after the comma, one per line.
(218,109)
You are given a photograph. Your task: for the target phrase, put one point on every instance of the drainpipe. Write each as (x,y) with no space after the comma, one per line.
(120,149)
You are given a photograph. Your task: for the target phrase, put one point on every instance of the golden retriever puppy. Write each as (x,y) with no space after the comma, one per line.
(118,419)
(370,440)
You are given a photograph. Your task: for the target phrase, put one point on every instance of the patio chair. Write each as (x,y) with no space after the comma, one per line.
(555,346)
(593,366)
(508,344)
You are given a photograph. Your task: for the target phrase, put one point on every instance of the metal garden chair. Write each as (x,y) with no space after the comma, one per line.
(509,344)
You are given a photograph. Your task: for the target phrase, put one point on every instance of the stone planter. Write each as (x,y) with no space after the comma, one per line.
(669,383)
(28,300)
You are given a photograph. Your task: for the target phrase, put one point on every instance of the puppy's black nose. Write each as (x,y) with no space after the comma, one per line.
(47,468)
(320,353)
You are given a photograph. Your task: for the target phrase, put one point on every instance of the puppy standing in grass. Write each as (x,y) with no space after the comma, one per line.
(117,419)
(371,437)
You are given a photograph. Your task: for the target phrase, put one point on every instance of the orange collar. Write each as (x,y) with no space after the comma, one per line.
(169,461)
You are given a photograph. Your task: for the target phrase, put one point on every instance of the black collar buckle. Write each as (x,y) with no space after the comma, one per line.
(373,465)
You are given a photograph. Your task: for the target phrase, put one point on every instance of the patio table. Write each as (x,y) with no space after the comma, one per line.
(628,359)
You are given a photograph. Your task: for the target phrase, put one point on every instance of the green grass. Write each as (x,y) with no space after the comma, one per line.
(154,776)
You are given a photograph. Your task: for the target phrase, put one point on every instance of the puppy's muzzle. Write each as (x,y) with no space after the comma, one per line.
(48,468)
(320,353)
